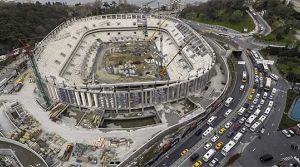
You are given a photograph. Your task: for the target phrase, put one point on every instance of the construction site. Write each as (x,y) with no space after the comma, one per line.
(129,62)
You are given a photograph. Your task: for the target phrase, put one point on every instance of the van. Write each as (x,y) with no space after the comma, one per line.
(227,112)
(266,157)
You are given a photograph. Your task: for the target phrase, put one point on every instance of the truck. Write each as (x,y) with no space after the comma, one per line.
(68,151)
(268,83)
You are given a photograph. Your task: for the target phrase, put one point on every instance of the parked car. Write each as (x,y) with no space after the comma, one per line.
(286,133)
(266,157)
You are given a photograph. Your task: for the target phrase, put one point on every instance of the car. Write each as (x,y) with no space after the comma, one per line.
(198,163)
(271,97)
(236,126)
(266,157)
(222,131)
(256,80)
(275,77)
(298,125)
(194,157)
(250,97)
(230,134)
(228,124)
(253,91)
(234,118)
(214,138)
(292,133)
(213,162)
(198,132)
(219,145)
(255,71)
(246,105)
(265,95)
(184,152)
(247,114)
(242,87)
(296,130)
(262,102)
(255,101)
(251,108)
(259,106)
(207,146)
(243,130)
(286,133)
(257,95)
(242,120)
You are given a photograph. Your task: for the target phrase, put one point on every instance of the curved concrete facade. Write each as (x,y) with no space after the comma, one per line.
(137,95)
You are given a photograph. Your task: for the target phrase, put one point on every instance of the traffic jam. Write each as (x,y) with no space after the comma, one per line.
(250,118)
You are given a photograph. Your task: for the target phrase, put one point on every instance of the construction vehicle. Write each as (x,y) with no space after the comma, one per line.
(68,152)
(20,80)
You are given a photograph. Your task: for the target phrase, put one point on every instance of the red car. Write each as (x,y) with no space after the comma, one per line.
(295,130)
(236,126)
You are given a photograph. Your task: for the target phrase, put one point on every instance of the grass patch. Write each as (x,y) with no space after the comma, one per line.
(246,22)
(231,66)
(287,122)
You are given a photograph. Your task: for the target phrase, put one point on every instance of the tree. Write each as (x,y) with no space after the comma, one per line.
(236,16)
(106,5)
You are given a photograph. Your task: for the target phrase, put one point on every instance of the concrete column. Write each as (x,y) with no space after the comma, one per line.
(129,103)
(77,98)
(50,91)
(95,100)
(151,97)
(83,99)
(56,94)
(89,99)
(115,102)
(53,92)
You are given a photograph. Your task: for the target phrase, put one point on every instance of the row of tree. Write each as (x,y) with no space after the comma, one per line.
(33,21)
(217,10)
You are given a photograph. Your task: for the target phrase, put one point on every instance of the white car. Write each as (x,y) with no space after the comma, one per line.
(258,106)
(271,97)
(262,102)
(257,95)
(242,120)
(265,95)
(228,124)
(298,125)
(242,87)
(243,130)
(207,146)
(214,138)
(286,133)
(255,101)
(213,162)
(252,107)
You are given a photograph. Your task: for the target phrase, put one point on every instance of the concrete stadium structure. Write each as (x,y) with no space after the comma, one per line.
(67,55)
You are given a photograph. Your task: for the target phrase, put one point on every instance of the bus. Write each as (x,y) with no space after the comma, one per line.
(211,120)
(237,137)
(250,120)
(254,126)
(207,131)
(268,84)
(209,154)
(228,101)
(225,150)
(244,79)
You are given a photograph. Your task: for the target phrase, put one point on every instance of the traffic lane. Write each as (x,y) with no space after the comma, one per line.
(275,144)
(174,155)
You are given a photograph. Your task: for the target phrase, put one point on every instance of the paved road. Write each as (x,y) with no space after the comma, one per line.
(173,154)
(264,28)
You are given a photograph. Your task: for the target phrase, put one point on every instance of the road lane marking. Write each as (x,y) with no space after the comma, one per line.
(254,149)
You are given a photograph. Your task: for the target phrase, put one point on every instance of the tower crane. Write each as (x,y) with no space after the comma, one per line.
(29,52)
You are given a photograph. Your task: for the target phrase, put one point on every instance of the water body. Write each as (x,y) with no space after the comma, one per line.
(136,2)
(295,113)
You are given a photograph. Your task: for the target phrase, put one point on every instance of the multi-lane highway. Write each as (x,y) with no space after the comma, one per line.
(170,157)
